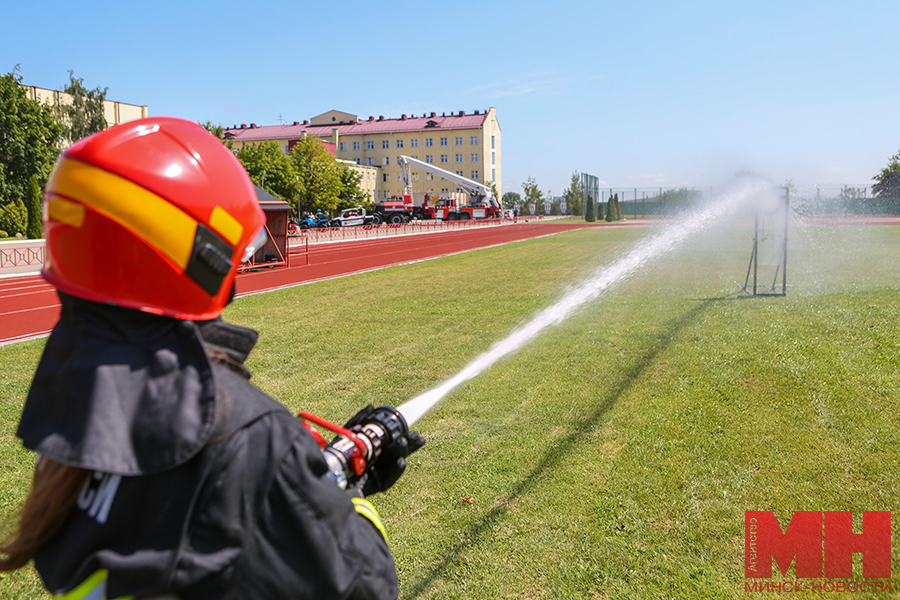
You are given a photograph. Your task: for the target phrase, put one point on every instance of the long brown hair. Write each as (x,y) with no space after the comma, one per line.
(54,490)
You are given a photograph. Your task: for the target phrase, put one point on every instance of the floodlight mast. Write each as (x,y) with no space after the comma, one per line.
(478,192)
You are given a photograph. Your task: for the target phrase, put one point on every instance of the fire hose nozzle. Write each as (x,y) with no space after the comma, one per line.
(360,443)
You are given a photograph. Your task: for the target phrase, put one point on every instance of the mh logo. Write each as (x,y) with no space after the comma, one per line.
(822,543)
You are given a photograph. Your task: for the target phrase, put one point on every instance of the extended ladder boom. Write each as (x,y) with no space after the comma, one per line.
(477,192)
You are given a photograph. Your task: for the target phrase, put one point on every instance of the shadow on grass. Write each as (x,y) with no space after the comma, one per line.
(554,455)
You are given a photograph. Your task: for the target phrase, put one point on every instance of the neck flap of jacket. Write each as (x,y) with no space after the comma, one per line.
(120,391)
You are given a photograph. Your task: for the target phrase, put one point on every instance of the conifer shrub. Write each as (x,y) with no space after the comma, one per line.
(589,210)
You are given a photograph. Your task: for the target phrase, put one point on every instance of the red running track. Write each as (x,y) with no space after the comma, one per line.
(29,306)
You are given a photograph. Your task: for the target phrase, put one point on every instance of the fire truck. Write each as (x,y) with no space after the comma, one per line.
(400,209)
(481,201)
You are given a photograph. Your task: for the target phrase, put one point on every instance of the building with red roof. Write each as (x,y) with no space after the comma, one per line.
(467,144)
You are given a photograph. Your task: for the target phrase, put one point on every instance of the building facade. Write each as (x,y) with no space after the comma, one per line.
(115,112)
(468,144)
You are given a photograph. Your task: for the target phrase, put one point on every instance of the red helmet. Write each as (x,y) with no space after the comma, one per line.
(154,215)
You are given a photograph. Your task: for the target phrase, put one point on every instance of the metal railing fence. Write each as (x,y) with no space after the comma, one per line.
(385,230)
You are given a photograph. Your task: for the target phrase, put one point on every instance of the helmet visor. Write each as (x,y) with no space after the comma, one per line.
(259,240)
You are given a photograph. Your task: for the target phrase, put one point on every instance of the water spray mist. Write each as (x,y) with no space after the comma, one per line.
(644,252)
(349,454)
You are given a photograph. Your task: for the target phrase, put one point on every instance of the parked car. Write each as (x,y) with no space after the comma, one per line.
(352,216)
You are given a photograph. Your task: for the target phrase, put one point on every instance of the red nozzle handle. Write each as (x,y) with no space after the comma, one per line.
(358,459)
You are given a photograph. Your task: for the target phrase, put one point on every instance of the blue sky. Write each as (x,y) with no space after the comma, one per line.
(640,93)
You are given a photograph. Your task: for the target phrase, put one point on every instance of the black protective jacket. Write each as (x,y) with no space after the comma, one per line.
(203,486)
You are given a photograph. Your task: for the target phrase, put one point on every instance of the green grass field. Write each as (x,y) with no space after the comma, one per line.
(615,456)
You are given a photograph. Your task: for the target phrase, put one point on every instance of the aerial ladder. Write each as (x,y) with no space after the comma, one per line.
(482,203)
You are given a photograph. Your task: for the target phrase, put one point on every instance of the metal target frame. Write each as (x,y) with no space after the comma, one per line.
(780,267)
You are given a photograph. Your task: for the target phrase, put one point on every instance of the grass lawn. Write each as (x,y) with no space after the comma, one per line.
(615,456)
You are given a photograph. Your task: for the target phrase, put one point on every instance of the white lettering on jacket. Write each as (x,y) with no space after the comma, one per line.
(97,495)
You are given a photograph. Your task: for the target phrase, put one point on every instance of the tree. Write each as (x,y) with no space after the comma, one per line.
(29,140)
(33,228)
(533,194)
(888,179)
(589,215)
(216,130)
(351,195)
(494,192)
(611,208)
(510,199)
(574,194)
(271,169)
(319,178)
(84,115)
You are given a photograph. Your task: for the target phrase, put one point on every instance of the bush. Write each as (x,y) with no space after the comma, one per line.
(3,234)
(14,217)
(33,228)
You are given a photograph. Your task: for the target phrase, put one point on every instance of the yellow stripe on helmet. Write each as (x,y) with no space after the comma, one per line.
(163,225)
(226,225)
(65,211)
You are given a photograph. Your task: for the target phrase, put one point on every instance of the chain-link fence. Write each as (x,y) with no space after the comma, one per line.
(840,200)
(653,202)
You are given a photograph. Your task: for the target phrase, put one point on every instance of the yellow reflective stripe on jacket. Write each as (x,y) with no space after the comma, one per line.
(92,588)
(365,508)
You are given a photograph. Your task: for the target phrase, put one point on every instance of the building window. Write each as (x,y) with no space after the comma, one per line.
(493,158)
(399,144)
(357,162)
(473,140)
(459,140)
(494,176)
(428,142)
(385,144)
(384,177)
(459,158)
(398,162)
(475,175)
(387,161)
(492,142)
(459,173)
(445,158)
(343,146)
(370,145)
(474,157)
(429,158)
(356,145)
(443,141)
(369,161)
(414,143)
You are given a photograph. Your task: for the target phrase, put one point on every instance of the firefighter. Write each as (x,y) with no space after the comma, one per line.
(161,470)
